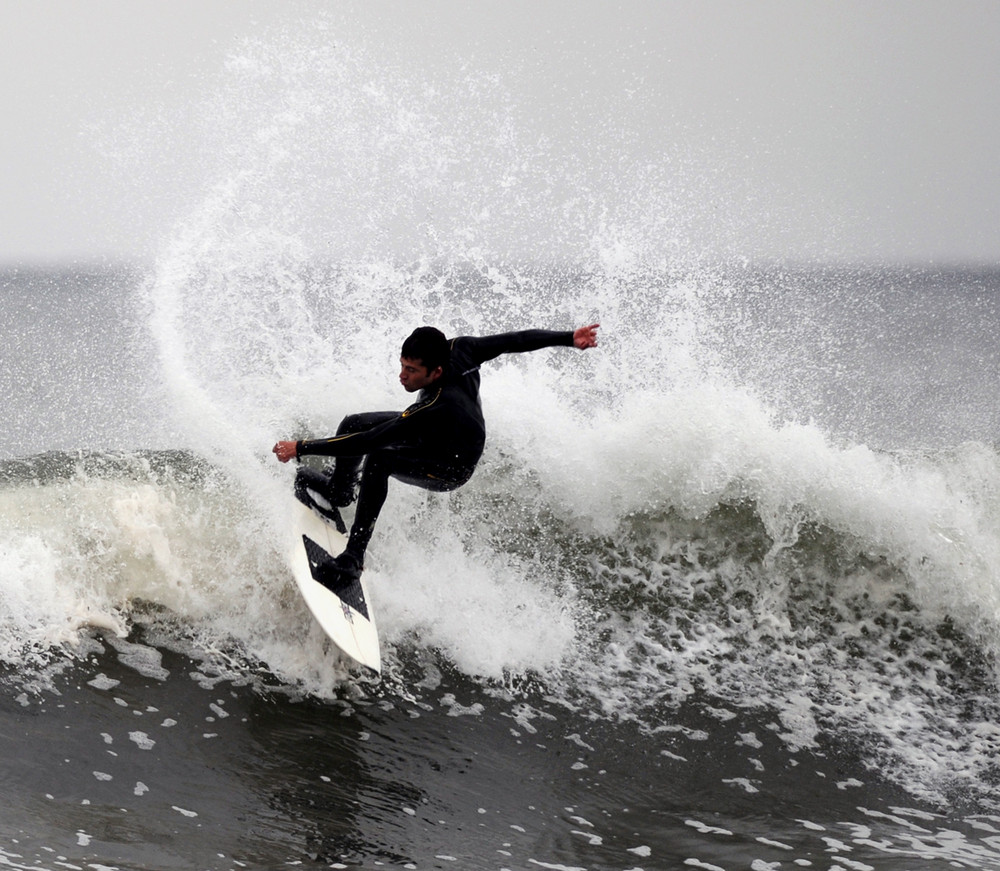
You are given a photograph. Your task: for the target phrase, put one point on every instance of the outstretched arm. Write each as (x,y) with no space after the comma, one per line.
(483,348)
(397,430)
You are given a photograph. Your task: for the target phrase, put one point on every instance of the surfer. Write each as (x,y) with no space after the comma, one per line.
(434,444)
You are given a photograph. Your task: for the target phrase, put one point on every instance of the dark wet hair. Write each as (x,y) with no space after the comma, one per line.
(428,345)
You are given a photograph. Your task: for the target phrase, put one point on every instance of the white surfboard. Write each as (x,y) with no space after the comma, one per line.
(345,616)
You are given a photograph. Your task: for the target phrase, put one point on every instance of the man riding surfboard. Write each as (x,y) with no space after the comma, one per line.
(434,444)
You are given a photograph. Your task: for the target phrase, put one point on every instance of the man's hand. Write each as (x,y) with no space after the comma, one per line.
(585,337)
(286,451)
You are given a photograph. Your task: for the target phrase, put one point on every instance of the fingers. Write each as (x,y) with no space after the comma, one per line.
(586,337)
(284,451)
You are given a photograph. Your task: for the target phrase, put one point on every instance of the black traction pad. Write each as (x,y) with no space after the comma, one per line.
(349,592)
(331,515)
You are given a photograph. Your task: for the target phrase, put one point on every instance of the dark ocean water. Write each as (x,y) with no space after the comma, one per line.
(724,592)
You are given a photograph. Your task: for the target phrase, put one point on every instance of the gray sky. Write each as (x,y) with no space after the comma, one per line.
(828,129)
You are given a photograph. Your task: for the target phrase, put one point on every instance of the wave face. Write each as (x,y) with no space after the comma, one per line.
(762,517)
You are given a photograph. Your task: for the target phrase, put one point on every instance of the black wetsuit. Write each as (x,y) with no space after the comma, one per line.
(435,443)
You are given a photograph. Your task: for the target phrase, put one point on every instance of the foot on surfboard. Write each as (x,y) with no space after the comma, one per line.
(330,512)
(339,572)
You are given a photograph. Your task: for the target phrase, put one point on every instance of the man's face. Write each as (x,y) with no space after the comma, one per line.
(414,375)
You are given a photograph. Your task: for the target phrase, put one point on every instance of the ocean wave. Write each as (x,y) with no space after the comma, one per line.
(822,631)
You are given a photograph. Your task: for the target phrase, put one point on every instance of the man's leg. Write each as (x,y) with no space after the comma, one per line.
(338,483)
(379,467)
(346,470)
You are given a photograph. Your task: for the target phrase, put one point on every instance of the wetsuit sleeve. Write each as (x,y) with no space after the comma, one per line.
(483,348)
(397,431)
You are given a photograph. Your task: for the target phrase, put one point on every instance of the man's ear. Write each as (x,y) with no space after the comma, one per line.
(437,373)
